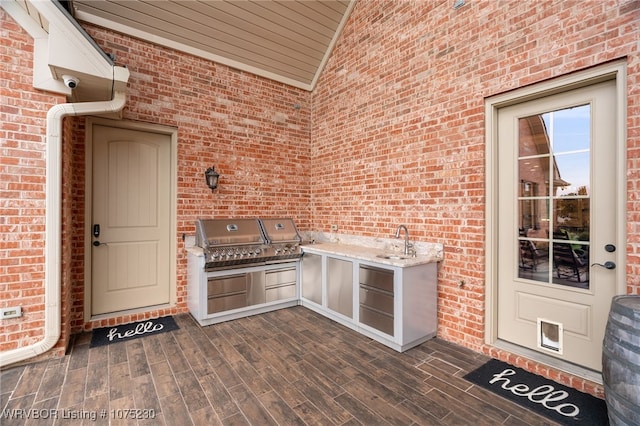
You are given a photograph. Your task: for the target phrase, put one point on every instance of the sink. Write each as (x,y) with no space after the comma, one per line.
(394,256)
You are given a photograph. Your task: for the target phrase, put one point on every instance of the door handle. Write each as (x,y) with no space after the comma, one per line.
(608,265)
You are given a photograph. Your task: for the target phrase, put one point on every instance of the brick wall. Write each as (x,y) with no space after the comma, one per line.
(398,125)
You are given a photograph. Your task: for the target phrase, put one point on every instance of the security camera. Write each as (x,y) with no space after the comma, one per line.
(70,81)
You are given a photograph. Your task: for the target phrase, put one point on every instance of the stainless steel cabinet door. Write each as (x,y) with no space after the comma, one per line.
(312,277)
(340,286)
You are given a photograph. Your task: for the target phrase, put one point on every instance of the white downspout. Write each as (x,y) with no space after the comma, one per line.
(52,285)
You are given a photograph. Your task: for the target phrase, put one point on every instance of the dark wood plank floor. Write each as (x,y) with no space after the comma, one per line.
(288,367)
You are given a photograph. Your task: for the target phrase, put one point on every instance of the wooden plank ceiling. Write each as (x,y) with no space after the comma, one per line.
(284,40)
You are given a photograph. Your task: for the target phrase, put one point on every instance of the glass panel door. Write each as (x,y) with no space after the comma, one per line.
(554,156)
(556,216)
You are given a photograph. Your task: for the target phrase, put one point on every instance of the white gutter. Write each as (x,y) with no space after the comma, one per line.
(52,285)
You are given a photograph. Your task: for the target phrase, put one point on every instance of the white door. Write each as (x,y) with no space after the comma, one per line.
(557,218)
(131,219)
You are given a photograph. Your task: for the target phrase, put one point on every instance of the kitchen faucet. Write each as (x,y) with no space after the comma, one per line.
(407,244)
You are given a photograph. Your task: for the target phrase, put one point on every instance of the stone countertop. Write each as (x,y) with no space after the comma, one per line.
(195,250)
(370,254)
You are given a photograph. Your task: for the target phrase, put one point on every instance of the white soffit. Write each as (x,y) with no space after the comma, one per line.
(61,47)
(284,40)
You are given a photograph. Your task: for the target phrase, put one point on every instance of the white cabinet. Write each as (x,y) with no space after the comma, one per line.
(327,287)
(396,306)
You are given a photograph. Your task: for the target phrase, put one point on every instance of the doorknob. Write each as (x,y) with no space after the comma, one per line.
(608,265)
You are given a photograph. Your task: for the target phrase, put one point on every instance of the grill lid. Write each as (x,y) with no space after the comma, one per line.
(280,231)
(228,232)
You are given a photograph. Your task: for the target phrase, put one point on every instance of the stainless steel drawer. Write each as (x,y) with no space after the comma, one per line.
(225,285)
(376,299)
(280,276)
(377,320)
(226,303)
(281,292)
(377,277)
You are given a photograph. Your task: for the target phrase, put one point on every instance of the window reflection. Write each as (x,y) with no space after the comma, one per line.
(554,196)
(574,169)
(572,215)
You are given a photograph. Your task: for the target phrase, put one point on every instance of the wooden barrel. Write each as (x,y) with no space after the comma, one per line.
(621,361)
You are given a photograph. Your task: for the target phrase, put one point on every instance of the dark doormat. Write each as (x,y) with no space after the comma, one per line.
(550,399)
(134,330)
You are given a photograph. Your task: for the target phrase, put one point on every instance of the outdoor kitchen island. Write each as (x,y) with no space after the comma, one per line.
(387,296)
(244,267)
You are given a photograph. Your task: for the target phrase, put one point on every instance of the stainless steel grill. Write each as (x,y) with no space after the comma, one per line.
(248,264)
(231,243)
(282,237)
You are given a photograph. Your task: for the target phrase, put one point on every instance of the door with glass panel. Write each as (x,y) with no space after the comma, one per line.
(557,222)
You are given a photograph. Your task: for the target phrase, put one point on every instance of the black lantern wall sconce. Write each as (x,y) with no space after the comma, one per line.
(212,178)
